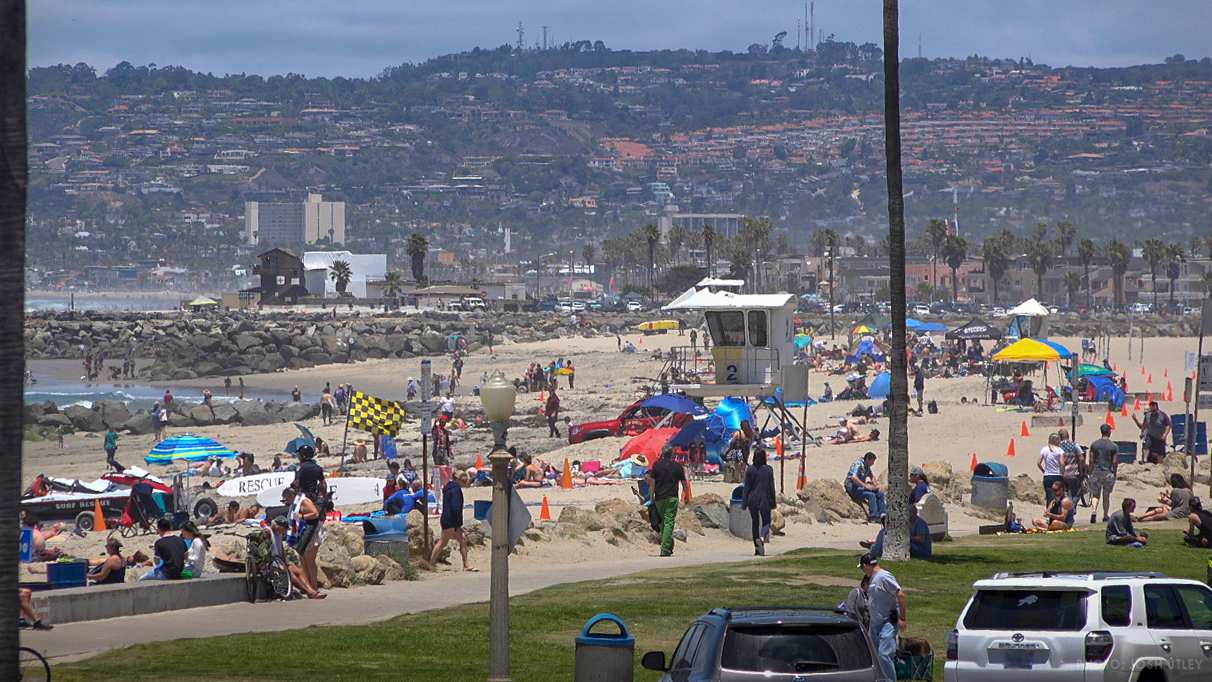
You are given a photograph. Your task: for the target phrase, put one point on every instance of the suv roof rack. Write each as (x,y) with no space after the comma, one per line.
(1092,575)
(729,611)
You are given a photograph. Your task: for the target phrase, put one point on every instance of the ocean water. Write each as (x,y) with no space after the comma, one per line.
(136,396)
(55,301)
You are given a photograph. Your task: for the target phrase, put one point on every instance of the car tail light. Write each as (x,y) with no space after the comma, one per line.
(1098,646)
(953,645)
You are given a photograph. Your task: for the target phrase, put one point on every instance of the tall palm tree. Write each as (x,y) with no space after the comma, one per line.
(1065,233)
(896,546)
(1086,252)
(341,273)
(652,235)
(1073,284)
(829,239)
(416,248)
(708,242)
(1174,269)
(1154,252)
(1039,255)
(997,262)
(393,285)
(1119,255)
(13,184)
(936,234)
(589,252)
(955,251)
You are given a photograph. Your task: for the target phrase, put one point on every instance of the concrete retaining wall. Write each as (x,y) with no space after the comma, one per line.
(131,599)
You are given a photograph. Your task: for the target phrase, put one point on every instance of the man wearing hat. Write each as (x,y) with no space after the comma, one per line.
(921,486)
(1103,467)
(886,602)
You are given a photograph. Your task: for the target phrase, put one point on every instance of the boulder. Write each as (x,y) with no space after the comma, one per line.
(711,513)
(179,421)
(224,413)
(296,412)
(84,418)
(55,421)
(1026,489)
(583,519)
(202,415)
(826,500)
(335,565)
(777,522)
(689,520)
(616,506)
(246,341)
(252,413)
(114,413)
(140,424)
(392,570)
(416,537)
(475,534)
(348,535)
(432,342)
(367,570)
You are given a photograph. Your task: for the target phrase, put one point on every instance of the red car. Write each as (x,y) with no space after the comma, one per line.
(633,421)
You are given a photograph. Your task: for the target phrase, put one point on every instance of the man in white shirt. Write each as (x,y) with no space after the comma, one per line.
(886,602)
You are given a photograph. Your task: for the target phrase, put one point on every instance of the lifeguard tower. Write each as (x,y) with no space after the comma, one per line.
(753,346)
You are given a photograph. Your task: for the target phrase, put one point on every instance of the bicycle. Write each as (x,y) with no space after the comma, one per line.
(33,661)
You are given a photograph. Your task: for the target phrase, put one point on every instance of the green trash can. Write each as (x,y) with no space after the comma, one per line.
(605,656)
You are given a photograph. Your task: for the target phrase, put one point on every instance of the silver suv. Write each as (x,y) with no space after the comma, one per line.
(1087,627)
(770,644)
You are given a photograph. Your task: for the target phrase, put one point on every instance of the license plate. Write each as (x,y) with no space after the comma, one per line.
(1018,659)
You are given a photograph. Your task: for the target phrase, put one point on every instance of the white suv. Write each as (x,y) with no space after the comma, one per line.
(1089,627)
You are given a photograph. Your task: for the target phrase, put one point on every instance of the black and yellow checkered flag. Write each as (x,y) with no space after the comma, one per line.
(374,414)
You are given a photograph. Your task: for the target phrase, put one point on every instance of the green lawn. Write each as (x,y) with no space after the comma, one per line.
(453,644)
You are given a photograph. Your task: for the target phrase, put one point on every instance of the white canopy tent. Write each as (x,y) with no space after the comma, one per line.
(1029,308)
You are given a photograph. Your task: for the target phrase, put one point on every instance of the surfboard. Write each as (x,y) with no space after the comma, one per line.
(345,490)
(257,484)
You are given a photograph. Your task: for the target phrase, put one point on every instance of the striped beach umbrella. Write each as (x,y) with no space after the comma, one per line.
(189,448)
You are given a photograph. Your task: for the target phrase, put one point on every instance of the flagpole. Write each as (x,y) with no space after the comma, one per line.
(345,438)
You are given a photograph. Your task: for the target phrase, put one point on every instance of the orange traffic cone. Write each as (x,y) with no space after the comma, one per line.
(545,511)
(1142,370)
(1165,371)
(778,446)
(566,479)
(1123,412)
(1060,422)
(1170,393)
(1136,405)
(98,516)
(972,466)
(1149,380)
(686,494)
(1149,397)
(1023,430)
(1010,450)
(1110,421)
(801,482)
(479,461)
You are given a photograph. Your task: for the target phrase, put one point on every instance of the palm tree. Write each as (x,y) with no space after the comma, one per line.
(936,234)
(1119,256)
(589,252)
(1073,284)
(708,242)
(652,235)
(955,252)
(1065,233)
(393,285)
(1039,255)
(340,273)
(1174,268)
(1154,251)
(997,261)
(678,238)
(896,547)
(13,196)
(829,239)
(416,248)
(1086,251)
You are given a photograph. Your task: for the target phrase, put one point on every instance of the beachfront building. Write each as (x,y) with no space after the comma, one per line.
(364,269)
(282,281)
(726,225)
(291,223)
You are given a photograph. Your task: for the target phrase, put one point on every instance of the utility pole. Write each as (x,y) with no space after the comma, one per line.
(544,37)
(521,37)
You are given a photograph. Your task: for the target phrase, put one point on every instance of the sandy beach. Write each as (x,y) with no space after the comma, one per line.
(608,381)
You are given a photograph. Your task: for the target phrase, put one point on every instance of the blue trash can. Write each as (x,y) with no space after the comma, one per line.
(27,545)
(605,656)
(991,486)
(480,509)
(67,573)
(739,523)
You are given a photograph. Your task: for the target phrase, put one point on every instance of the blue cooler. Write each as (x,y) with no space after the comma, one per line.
(61,574)
(605,656)
(480,509)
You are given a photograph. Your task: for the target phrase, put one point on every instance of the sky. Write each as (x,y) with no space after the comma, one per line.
(362,37)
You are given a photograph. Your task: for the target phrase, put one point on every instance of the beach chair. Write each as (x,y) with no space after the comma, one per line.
(1128,450)
(1178,431)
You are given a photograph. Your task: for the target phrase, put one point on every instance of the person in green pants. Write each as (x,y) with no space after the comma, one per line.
(663,479)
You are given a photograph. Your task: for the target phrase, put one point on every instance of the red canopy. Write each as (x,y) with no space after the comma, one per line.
(649,443)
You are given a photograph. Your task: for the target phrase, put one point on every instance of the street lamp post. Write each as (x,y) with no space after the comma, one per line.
(498,397)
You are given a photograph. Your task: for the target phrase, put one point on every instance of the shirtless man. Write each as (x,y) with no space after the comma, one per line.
(532,474)
(41,536)
(234,514)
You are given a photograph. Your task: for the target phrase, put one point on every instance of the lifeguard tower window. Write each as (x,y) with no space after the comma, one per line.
(757,328)
(727,327)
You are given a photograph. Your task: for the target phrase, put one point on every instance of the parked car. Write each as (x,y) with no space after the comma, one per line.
(1134,627)
(779,644)
(999,311)
(634,306)
(632,421)
(921,310)
(473,303)
(578,306)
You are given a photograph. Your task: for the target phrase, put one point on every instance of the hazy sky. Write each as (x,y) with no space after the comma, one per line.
(361,37)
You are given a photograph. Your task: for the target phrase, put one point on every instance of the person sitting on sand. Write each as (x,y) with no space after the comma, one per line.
(1199,533)
(845,433)
(404,500)
(1060,512)
(1119,527)
(921,544)
(532,474)
(41,553)
(1174,503)
(112,569)
(294,564)
(234,514)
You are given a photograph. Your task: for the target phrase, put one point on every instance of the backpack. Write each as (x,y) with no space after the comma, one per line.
(260,547)
(932,407)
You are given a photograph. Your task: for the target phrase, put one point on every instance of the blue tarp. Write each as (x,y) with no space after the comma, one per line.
(881,386)
(1106,391)
(931,327)
(692,431)
(865,347)
(674,403)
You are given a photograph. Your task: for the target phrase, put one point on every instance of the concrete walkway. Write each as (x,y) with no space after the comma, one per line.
(357,606)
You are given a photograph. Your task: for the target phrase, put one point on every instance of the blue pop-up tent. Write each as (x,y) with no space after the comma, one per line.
(674,403)
(881,386)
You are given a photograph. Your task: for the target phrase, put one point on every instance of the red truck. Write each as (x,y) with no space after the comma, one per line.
(633,421)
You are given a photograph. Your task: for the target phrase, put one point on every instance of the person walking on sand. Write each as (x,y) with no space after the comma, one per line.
(663,479)
(111,450)
(452,519)
(327,406)
(1103,468)
(227,386)
(552,411)
(296,396)
(886,604)
(572,375)
(759,499)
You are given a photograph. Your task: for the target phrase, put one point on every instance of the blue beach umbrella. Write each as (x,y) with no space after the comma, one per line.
(189,448)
